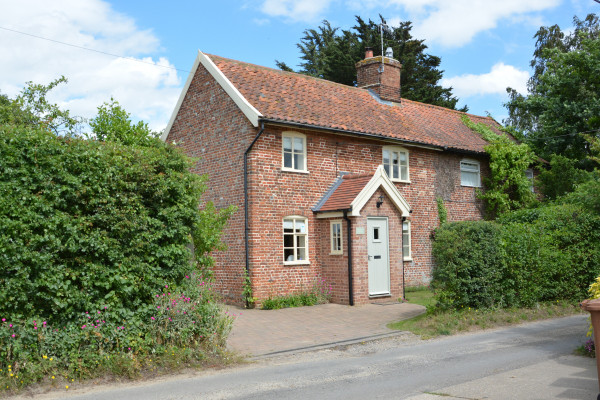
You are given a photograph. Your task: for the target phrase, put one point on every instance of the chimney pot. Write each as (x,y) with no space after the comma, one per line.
(368,52)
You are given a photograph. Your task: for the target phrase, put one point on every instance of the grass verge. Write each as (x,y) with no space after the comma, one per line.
(437,323)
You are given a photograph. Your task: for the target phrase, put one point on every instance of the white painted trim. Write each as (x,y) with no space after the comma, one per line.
(329,214)
(380,179)
(244,105)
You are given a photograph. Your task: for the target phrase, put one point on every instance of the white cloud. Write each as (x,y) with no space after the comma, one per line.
(454,23)
(296,10)
(146,91)
(494,82)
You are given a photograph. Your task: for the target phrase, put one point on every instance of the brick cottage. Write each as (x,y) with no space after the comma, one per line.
(330,181)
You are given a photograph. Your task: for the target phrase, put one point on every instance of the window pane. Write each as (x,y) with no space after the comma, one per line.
(403,158)
(301,254)
(288,254)
(288,225)
(301,241)
(469,166)
(386,167)
(288,240)
(300,226)
(469,178)
(395,172)
(287,144)
(338,244)
(404,173)
(375,233)
(287,160)
(298,161)
(386,158)
(299,144)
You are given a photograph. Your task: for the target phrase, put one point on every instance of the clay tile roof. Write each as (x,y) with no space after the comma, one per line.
(343,192)
(296,98)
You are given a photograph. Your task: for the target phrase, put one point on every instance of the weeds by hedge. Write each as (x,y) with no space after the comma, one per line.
(544,254)
(319,293)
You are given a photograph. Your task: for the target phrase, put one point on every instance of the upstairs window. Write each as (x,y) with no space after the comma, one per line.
(336,237)
(470,173)
(395,163)
(295,248)
(294,152)
(529,175)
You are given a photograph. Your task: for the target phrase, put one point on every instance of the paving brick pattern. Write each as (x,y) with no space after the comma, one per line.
(262,332)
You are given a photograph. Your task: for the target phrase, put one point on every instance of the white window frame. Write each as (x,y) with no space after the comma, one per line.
(529,175)
(398,150)
(295,239)
(337,242)
(462,169)
(292,136)
(406,234)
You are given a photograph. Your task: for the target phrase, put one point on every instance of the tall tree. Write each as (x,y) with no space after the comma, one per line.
(563,97)
(331,53)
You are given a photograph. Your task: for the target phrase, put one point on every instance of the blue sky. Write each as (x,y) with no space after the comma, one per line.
(485,46)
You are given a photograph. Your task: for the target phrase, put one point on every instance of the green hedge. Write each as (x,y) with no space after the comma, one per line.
(527,256)
(86,225)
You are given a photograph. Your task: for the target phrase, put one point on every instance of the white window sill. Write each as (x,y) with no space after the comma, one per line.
(336,253)
(470,186)
(299,171)
(408,259)
(296,263)
(399,181)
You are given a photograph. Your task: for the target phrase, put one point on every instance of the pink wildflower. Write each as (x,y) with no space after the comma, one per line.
(83,327)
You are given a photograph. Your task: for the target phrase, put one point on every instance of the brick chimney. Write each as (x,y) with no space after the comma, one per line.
(382,79)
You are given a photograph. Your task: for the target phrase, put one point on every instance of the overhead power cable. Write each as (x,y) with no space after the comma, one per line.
(93,50)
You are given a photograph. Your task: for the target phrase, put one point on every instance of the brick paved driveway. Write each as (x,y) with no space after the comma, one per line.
(264,332)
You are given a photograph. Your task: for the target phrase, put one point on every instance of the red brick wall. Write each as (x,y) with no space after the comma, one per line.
(211,128)
(284,193)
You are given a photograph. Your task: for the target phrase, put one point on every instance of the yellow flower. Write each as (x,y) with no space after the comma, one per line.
(52,376)
(11,374)
(67,386)
(44,357)
(50,358)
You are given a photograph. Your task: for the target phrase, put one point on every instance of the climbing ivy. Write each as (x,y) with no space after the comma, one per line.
(507,187)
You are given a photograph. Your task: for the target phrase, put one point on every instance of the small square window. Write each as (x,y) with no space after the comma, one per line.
(295,248)
(395,163)
(293,147)
(470,173)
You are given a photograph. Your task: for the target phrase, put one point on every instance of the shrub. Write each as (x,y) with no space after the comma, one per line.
(86,225)
(527,256)
(468,264)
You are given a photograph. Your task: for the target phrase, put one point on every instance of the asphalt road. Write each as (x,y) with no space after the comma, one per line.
(531,361)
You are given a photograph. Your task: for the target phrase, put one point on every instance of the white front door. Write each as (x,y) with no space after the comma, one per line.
(377,249)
